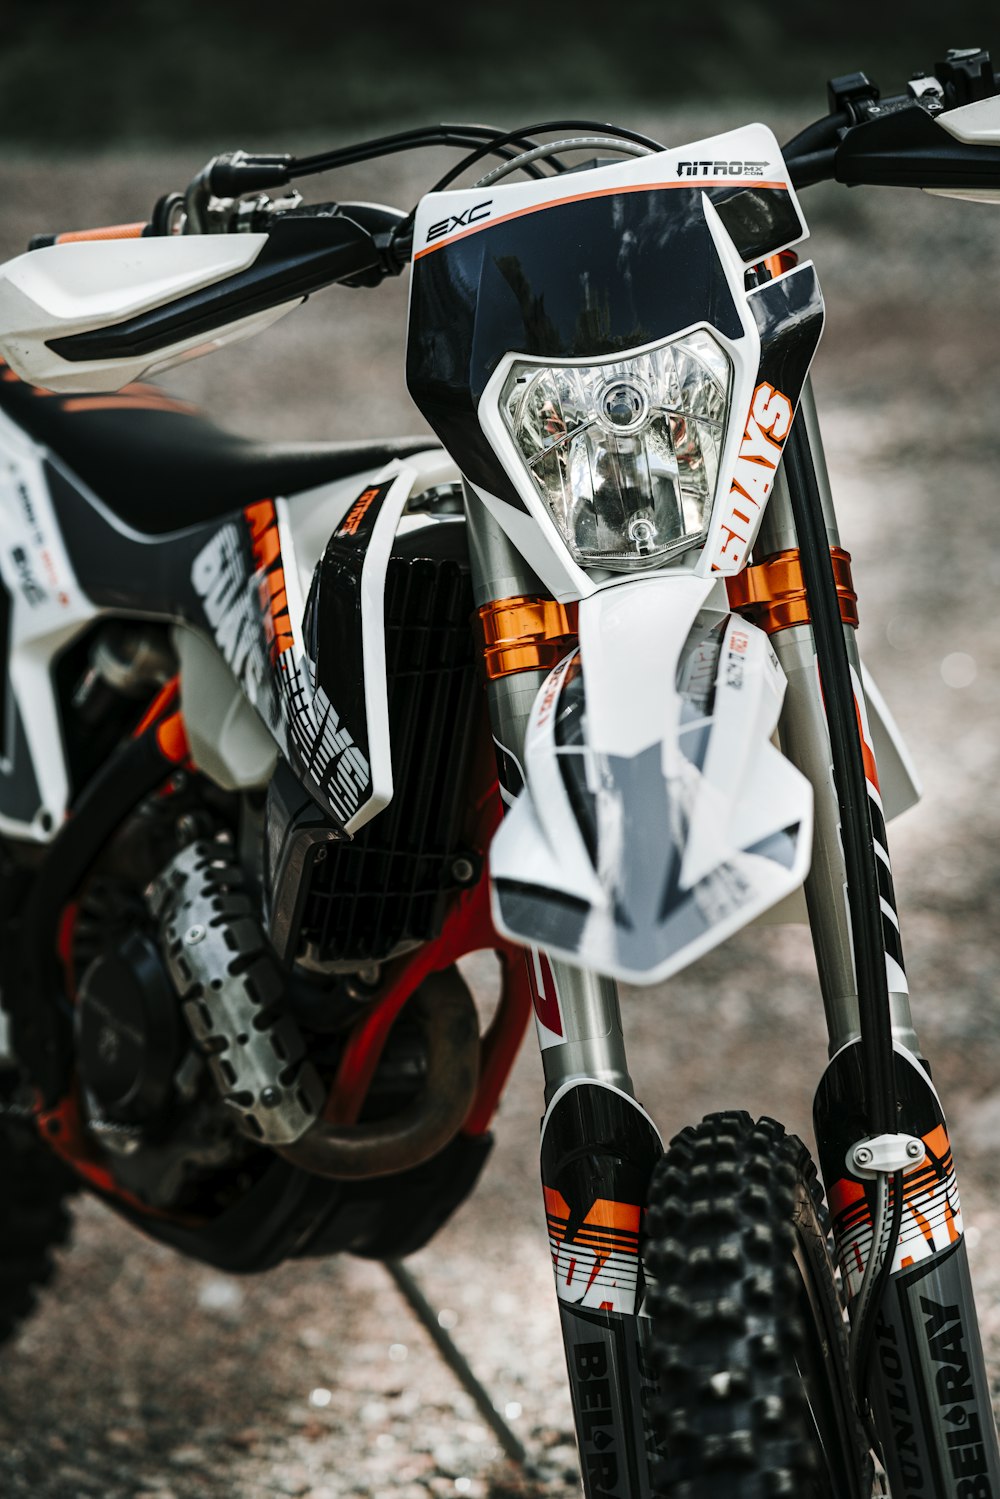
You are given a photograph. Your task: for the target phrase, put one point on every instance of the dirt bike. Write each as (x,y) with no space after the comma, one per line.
(289,729)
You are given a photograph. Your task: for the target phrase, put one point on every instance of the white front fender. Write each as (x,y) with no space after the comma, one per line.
(657,816)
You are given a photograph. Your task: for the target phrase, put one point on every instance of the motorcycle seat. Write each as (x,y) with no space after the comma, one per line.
(160,465)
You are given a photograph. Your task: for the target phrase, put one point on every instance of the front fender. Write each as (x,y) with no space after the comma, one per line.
(657,817)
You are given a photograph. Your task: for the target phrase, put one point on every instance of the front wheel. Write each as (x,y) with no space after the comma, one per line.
(748,1335)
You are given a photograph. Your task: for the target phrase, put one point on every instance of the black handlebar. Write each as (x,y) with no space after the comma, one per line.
(864,138)
(897,141)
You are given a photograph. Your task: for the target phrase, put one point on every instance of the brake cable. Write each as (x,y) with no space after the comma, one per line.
(517,136)
(417,139)
(580,143)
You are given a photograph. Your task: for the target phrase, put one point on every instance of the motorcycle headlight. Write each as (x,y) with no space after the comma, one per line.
(625,452)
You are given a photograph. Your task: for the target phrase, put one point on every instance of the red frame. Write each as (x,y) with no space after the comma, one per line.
(468,927)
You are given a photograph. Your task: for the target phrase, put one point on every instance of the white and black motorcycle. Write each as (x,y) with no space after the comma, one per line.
(288,729)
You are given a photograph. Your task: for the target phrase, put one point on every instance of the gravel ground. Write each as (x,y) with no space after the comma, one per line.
(146,1377)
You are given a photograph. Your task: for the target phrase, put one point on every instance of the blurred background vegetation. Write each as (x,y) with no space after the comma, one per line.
(267,73)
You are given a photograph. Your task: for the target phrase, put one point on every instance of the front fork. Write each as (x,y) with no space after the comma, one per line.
(928,1387)
(598,1146)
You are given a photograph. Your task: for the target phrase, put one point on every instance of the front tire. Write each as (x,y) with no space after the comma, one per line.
(748,1335)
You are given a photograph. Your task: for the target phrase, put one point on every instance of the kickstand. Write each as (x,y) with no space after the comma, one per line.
(409,1289)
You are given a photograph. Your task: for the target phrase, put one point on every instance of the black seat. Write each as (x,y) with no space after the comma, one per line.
(161,465)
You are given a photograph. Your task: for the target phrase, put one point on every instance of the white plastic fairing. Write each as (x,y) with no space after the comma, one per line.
(758,415)
(976,124)
(48,608)
(747,157)
(84,287)
(657,816)
(966,194)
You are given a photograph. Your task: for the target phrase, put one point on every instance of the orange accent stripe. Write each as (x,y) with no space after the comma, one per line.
(843,1193)
(555,1203)
(171,737)
(777,265)
(906,1261)
(867,753)
(164,699)
(357,512)
(608,1214)
(108,231)
(772,593)
(526,633)
(606,1246)
(603,192)
(127,403)
(605,1235)
(937,1141)
(949,1218)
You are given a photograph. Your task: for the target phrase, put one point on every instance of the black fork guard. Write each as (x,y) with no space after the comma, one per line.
(927,1380)
(599,1148)
(927,1377)
(929,1390)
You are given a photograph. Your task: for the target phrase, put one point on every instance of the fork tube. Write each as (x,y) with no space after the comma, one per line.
(805,740)
(583,1037)
(925,1376)
(598,1146)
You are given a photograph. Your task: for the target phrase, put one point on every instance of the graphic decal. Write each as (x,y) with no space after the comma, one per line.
(892,941)
(469,221)
(635,863)
(352,520)
(510,773)
(222,579)
(263,523)
(545,998)
(597,1263)
(788,313)
(334,627)
(721,168)
(767,427)
(932,1215)
(239,578)
(614,1386)
(598,1151)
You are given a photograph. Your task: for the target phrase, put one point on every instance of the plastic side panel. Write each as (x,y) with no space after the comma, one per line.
(344,629)
(45,608)
(897,773)
(598,1152)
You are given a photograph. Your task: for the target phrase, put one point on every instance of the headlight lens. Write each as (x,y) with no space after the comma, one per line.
(625,453)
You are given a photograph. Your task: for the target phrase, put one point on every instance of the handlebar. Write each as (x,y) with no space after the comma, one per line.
(897,141)
(105,232)
(864,138)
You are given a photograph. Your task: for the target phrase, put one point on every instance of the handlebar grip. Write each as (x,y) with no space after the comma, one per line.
(79,236)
